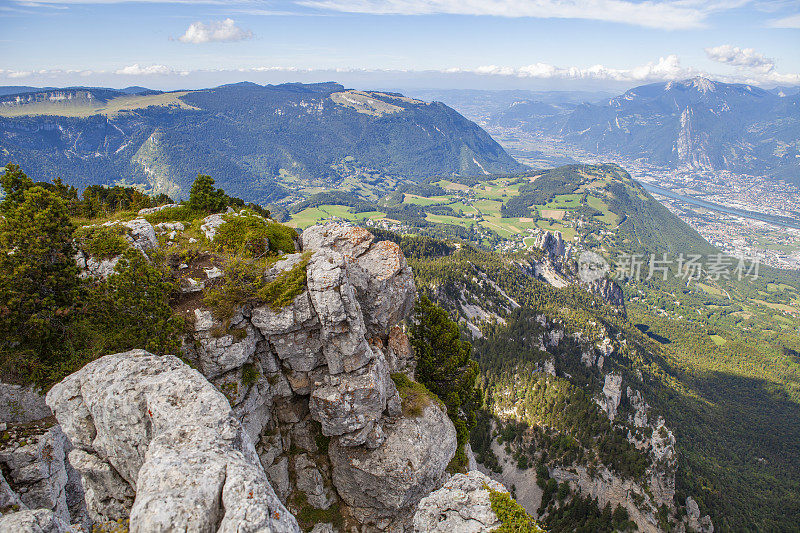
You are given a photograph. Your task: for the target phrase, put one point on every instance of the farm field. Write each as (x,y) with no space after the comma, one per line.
(482,204)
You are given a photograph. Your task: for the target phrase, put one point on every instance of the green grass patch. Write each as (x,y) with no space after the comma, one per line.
(421,200)
(607,217)
(414,395)
(719,341)
(446,219)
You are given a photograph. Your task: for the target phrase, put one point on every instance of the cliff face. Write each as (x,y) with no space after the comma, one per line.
(276,413)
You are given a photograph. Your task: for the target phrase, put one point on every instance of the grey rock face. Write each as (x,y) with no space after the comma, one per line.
(221,350)
(462,505)
(387,482)
(695,522)
(612,394)
(38,521)
(160,427)
(311,482)
(211,224)
(351,403)
(552,244)
(19,405)
(9,498)
(142,236)
(377,270)
(342,322)
(38,473)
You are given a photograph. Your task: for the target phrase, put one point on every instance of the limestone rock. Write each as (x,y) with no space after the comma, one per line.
(327,527)
(151,210)
(351,402)
(37,469)
(342,323)
(98,268)
(9,498)
(223,349)
(295,316)
(695,523)
(551,243)
(162,428)
(211,224)
(107,495)
(141,235)
(19,405)
(38,521)
(612,395)
(350,241)
(462,505)
(387,482)
(377,270)
(311,482)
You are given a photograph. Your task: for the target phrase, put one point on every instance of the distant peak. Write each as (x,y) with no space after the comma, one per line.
(699,83)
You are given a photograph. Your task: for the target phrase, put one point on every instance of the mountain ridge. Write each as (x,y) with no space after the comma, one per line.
(260,141)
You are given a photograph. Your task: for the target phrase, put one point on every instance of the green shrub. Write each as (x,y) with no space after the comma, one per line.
(39,285)
(103,242)
(244,282)
(511,514)
(414,395)
(203,196)
(180,213)
(132,308)
(252,236)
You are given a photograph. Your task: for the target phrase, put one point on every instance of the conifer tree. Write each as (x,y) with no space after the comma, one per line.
(445,367)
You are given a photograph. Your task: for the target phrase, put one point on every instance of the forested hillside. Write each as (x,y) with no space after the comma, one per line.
(261,142)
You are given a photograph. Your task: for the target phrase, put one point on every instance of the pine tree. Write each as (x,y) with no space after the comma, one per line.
(39,281)
(203,196)
(445,367)
(14,182)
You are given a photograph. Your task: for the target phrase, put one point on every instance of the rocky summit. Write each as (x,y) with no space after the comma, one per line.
(271,417)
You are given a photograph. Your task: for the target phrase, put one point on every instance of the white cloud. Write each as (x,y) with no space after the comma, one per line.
(792,22)
(666,68)
(752,66)
(15,74)
(218,31)
(136,70)
(666,14)
(740,57)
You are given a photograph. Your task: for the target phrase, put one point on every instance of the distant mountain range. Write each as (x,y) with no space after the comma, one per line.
(259,142)
(691,124)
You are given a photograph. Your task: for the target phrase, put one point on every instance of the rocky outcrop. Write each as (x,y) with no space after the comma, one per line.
(462,505)
(612,395)
(36,521)
(139,234)
(559,269)
(155,439)
(19,405)
(290,408)
(694,522)
(384,484)
(37,474)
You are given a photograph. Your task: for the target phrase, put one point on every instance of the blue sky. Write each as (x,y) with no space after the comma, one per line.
(537,44)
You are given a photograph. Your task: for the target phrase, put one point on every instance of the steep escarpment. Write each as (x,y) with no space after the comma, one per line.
(282,404)
(567,379)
